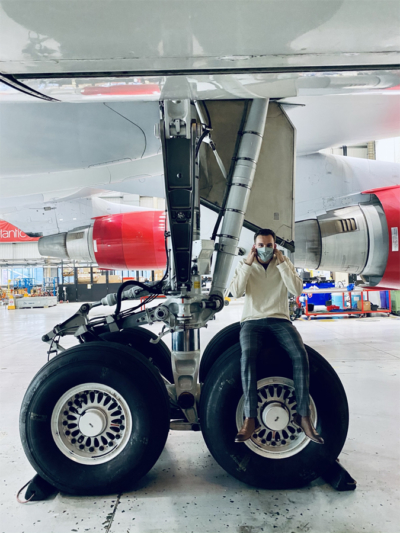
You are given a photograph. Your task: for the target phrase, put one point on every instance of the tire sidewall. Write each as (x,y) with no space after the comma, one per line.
(223,340)
(139,339)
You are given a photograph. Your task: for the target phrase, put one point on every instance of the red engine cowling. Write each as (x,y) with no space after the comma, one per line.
(131,241)
(389,198)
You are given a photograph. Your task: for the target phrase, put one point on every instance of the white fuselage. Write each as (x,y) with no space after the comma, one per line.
(195,37)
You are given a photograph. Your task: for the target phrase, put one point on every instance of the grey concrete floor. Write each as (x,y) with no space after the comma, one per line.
(187,491)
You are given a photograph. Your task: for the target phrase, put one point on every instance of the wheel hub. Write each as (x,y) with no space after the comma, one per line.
(275,416)
(278,436)
(91,423)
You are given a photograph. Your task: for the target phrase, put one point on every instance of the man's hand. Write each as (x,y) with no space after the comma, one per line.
(251,256)
(279,256)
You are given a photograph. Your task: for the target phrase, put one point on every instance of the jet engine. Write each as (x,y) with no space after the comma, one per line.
(362,239)
(131,241)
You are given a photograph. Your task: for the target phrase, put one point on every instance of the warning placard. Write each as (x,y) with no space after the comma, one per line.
(395,239)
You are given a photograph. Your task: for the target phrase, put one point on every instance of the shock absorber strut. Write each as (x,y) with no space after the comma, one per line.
(180,135)
(178,132)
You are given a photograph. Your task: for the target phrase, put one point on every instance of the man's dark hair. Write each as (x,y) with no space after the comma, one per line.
(264,232)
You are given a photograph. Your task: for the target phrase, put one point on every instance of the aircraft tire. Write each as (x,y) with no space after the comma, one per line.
(139,339)
(81,399)
(258,461)
(223,340)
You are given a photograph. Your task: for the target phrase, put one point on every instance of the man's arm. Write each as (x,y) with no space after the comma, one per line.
(289,275)
(239,280)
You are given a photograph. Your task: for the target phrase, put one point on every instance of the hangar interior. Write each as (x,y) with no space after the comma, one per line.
(200,266)
(190,491)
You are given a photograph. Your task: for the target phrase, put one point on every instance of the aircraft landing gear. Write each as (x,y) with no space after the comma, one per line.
(96,417)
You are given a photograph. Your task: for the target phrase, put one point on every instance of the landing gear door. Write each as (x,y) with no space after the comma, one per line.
(271,203)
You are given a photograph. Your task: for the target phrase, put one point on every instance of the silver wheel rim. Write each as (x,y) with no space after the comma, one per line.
(91,423)
(278,437)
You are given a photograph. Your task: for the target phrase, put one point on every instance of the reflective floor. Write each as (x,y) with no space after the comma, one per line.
(187,491)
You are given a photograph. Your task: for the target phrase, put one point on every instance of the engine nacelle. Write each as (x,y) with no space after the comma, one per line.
(362,239)
(131,241)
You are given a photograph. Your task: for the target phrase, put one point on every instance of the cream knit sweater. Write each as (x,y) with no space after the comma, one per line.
(266,289)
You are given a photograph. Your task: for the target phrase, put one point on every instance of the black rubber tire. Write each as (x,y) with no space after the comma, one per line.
(223,340)
(219,399)
(139,339)
(130,374)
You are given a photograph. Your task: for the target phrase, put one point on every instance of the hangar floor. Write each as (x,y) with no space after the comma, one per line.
(187,491)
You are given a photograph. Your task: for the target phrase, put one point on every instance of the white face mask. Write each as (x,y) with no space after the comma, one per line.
(265,253)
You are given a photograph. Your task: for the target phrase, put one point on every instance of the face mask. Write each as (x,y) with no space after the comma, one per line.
(265,253)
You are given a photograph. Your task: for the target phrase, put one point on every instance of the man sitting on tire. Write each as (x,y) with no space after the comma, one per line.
(265,277)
